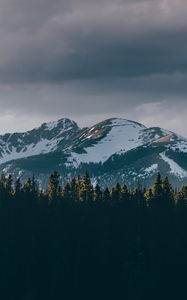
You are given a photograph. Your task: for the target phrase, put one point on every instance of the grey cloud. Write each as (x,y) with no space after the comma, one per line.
(92,59)
(62,40)
(104,96)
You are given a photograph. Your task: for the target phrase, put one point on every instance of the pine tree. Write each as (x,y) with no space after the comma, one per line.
(52,188)
(113,195)
(27,187)
(3,194)
(74,190)
(157,188)
(87,189)
(67,195)
(148,195)
(125,194)
(17,186)
(138,198)
(81,188)
(118,191)
(157,191)
(9,182)
(2,181)
(182,197)
(106,195)
(97,193)
(34,186)
(167,192)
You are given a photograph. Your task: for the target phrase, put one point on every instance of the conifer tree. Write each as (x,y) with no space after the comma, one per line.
(182,197)
(125,194)
(74,190)
(106,195)
(113,195)
(67,195)
(118,191)
(138,198)
(17,186)
(52,188)
(157,191)
(2,181)
(3,194)
(87,189)
(9,182)
(157,188)
(34,186)
(148,195)
(27,187)
(97,193)
(167,192)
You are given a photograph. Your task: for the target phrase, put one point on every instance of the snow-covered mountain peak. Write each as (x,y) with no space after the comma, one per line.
(106,138)
(119,122)
(114,149)
(63,124)
(49,137)
(116,137)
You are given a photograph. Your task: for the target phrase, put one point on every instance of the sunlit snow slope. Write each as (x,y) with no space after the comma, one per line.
(118,135)
(47,138)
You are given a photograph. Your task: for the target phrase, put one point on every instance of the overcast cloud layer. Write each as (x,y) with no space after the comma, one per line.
(90,60)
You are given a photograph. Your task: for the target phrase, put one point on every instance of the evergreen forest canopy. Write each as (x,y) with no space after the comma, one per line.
(79,241)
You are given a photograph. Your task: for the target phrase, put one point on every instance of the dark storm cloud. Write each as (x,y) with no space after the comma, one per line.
(92,59)
(61,40)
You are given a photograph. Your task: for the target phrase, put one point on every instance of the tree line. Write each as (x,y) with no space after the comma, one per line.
(81,189)
(82,241)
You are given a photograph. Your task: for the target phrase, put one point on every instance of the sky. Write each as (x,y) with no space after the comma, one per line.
(92,60)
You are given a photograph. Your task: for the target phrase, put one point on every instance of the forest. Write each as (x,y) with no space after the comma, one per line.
(79,241)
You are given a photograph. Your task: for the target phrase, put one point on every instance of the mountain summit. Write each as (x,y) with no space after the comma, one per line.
(113,150)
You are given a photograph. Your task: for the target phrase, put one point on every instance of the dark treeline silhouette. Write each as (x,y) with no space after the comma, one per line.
(81,242)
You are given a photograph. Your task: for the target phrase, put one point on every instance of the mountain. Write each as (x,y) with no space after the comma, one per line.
(112,150)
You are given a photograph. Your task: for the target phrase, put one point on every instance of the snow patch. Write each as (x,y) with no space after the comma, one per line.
(151,169)
(43,146)
(175,168)
(181,146)
(123,136)
(51,125)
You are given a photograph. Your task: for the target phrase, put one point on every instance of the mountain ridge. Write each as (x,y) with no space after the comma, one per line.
(113,150)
